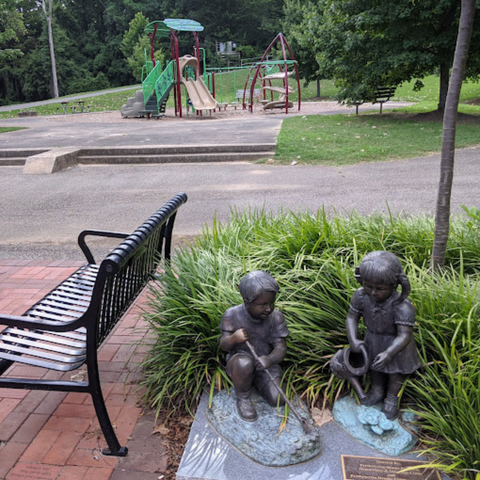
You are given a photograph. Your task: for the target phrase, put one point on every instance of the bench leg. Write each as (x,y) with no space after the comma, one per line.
(114,447)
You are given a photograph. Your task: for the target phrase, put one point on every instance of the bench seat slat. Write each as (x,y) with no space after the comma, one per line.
(62,297)
(64,338)
(70,292)
(62,305)
(81,277)
(87,271)
(39,363)
(40,309)
(8,340)
(36,352)
(78,287)
(81,280)
(50,316)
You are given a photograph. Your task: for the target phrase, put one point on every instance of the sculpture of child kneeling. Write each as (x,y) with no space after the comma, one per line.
(257,322)
(389,318)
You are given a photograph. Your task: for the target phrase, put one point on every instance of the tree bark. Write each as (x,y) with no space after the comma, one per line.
(318,88)
(442,215)
(444,79)
(48,17)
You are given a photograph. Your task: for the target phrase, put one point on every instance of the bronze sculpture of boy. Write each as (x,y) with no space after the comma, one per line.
(255,321)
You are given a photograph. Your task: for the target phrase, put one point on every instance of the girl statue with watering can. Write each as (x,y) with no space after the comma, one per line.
(388,351)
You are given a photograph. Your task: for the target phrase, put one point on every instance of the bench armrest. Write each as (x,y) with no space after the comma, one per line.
(96,233)
(35,324)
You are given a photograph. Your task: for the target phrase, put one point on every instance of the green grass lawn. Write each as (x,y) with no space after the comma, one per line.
(348,139)
(9,129)
(397,133)
(99,103)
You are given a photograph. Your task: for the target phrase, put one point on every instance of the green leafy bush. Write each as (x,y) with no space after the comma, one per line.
(312,256)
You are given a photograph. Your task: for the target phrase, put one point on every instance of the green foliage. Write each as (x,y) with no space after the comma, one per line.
(312,256)
(90,39)
(474,217)
(300,25)
(246,22)
(137,59)
(134,33)
(447,393)
(11,27)
(363,45)
(136,46)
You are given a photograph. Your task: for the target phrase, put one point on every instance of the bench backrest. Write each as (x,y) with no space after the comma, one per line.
(384,93)
(128,268)
(239,94)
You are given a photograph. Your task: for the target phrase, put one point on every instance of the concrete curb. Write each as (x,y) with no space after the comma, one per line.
(50,162)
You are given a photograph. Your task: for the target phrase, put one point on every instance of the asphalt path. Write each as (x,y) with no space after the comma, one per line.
(41,215)
(100,130)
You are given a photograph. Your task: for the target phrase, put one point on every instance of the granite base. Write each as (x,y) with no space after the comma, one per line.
(208,456)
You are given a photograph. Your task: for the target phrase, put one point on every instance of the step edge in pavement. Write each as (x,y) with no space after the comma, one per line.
(181,158)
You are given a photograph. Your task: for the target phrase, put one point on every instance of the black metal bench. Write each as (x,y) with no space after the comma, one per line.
(381,95)
(65,328)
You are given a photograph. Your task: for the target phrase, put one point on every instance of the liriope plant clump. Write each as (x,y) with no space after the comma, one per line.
(312,256)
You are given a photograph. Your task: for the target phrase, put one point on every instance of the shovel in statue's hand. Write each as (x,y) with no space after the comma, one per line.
(307,427)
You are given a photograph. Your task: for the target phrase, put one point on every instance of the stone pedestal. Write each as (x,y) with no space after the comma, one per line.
(266,440)
(208,456)
(371,427)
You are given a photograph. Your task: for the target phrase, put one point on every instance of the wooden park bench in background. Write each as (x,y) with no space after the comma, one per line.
(239,96)
(382,95)
(64,330)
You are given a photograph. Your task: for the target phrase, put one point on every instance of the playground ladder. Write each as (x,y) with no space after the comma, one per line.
(156,88)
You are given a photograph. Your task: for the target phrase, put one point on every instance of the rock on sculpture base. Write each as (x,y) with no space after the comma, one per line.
(371,427)
(261,440)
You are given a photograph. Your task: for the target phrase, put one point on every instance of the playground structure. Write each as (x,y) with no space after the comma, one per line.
(158,83)
(266,71)
(201,92)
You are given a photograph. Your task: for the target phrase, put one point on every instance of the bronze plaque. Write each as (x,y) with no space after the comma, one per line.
(372,468)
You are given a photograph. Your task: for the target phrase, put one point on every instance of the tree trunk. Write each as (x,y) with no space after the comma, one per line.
(444,78)
(318,88)
(48,17)
(442,216)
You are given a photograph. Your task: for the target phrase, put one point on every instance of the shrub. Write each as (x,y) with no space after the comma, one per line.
(312,257)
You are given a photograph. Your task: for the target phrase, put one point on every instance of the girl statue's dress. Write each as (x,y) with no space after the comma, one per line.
(381,321)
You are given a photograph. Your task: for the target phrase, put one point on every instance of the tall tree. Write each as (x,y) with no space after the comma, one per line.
(299,24)
(48,11)
(363,44)
(11,27)
(442,217)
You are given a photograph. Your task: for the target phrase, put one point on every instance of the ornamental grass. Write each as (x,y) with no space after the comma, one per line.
(312,256)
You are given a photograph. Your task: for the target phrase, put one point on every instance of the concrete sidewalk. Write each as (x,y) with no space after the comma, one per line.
(55,435)
(42,215)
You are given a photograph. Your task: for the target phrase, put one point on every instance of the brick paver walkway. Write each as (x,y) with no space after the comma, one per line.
(55,435)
